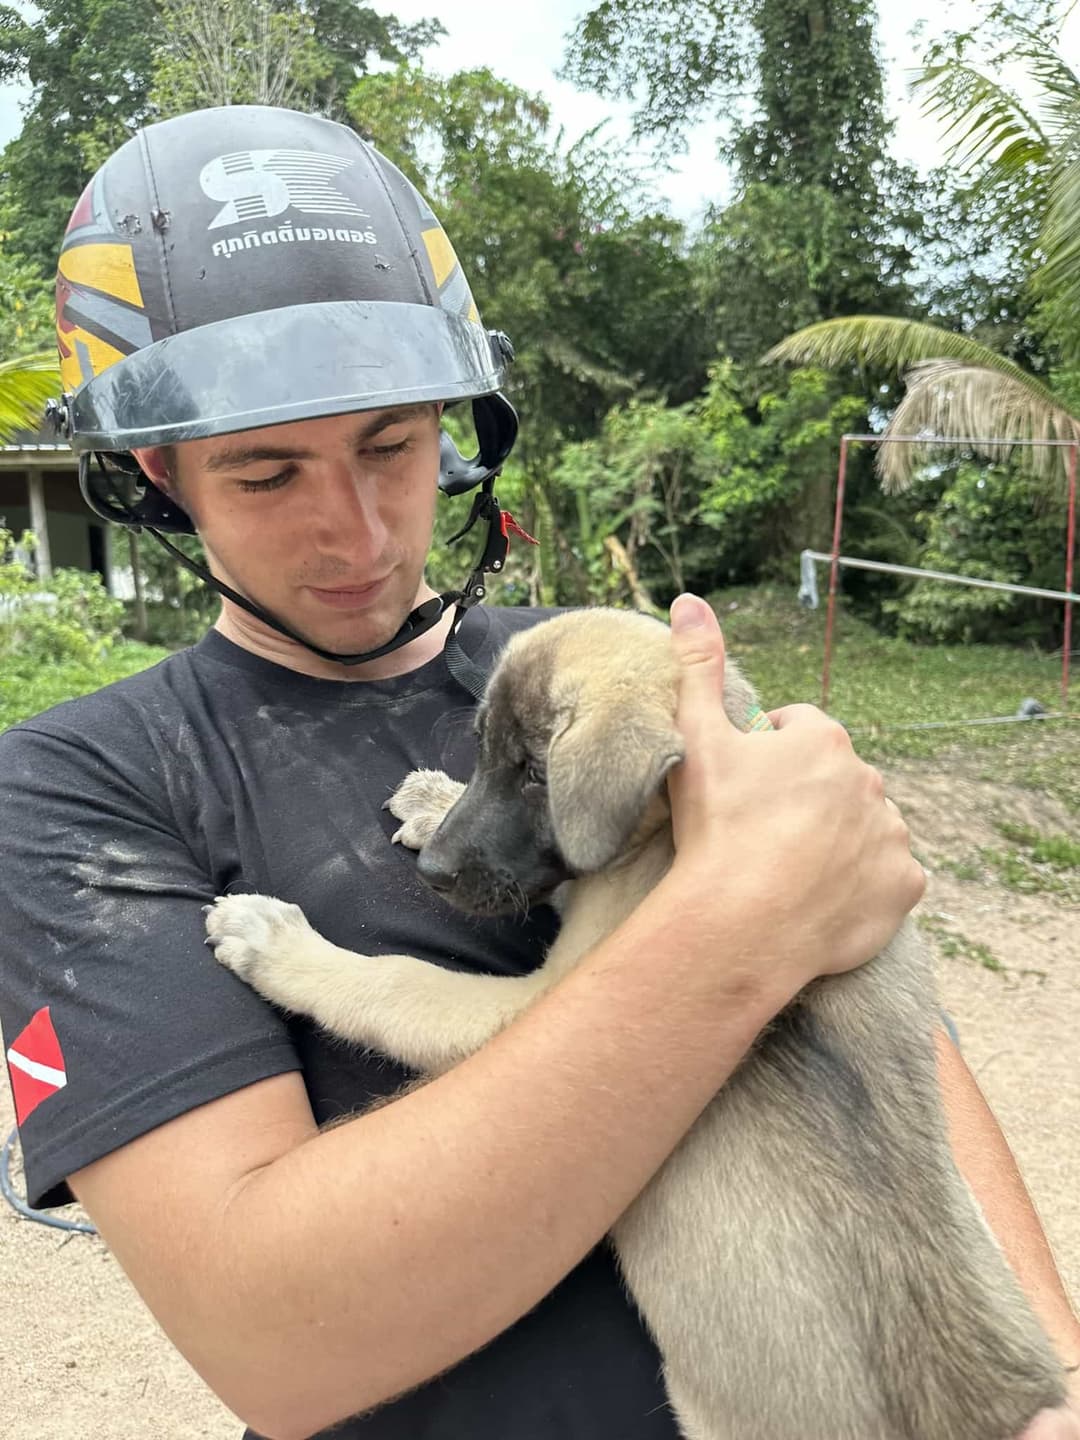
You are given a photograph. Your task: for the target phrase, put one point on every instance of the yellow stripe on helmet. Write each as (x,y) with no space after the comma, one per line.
(440,253)
(109,269)
(99,353)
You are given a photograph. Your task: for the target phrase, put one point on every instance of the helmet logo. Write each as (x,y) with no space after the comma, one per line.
(256,184)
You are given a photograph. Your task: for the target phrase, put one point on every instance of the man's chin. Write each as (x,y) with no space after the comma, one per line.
(356,632)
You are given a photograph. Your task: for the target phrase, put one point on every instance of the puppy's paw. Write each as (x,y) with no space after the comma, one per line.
(254,934)
(422,801)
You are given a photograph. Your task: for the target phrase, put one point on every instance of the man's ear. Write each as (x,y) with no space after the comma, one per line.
(603,769)
(152,464)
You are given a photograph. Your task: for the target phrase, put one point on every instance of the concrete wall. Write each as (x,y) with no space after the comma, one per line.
(69,523)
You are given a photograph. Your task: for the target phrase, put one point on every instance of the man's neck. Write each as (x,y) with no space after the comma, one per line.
(251,634)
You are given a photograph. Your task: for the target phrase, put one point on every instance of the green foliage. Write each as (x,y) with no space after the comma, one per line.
(1058,851)
(771,495)
(90,63)
(723,488)
(179,607)
(637,486)
(562,252)
(101,68)
(954,944)
(28,686)
(26,306)
(692,55)
(880,681)
(25,385)
(822,222)
(1020,151)
(820,118)
(992,525)
(593,292)
(275,52)
(68,617)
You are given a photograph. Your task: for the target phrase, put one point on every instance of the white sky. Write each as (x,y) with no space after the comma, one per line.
(523,42)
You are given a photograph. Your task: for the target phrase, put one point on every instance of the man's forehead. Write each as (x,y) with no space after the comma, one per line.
(300,439)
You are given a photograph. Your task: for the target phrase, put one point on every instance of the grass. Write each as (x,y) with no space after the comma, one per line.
(953,944)
(879,682)
(1033,864)
(27,688)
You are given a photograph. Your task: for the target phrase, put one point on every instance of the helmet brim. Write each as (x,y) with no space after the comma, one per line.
(272,367)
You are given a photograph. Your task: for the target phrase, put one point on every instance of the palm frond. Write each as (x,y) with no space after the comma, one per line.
(1058,277)
(1059,85)
(985,125)
(881,340)
(25,385)
(953,400)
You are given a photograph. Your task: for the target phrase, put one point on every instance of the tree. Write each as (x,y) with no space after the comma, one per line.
(957,386)
(276,52)
(101,68)
(820,221)
(90,65)
(232,52)
(590,285)
(26,306)
(716,491)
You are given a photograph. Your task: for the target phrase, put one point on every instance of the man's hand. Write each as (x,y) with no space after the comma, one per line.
(1055,1424)
(794,817)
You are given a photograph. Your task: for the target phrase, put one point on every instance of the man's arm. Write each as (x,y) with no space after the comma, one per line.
(309,1275)
(983,1156)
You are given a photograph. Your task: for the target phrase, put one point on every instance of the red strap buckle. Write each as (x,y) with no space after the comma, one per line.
(509,526)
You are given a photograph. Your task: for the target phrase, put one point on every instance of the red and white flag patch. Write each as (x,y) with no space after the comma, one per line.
(36,1065)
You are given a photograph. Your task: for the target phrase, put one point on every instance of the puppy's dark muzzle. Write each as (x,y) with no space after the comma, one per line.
(472,886)
(437,871)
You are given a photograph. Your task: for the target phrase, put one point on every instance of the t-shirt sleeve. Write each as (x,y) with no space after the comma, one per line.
(115,1015)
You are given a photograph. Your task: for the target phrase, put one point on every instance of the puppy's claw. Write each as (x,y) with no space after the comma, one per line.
(254,934)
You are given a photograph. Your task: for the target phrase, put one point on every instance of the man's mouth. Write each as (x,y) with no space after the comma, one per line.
(349,597)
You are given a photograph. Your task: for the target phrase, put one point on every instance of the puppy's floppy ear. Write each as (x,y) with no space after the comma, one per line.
(603,769)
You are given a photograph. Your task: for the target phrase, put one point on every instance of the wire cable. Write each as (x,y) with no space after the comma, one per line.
(42,1217)
(944,724)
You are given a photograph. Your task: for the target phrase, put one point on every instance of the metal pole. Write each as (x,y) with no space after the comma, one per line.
(838,520)
(1070,543)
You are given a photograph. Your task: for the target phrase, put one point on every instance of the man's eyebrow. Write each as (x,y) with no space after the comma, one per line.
(234,457)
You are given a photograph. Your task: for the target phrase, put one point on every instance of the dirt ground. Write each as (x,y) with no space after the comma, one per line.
(82,1360)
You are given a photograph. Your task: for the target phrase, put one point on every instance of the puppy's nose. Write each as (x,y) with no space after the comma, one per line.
(435,872)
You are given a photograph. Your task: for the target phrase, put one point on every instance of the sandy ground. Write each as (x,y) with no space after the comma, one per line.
(82,1360)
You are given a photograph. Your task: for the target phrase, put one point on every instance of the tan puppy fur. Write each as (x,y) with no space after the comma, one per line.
(809,1260)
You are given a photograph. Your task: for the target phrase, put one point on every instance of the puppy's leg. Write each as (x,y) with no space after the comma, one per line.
(420,1014)
(422,801)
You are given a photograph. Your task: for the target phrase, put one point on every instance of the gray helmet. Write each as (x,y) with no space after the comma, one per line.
(248,266)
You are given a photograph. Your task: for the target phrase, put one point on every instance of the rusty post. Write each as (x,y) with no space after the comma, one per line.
(838,521)
(1070,545)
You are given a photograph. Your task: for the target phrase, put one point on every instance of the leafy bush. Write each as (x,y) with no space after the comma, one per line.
(992,525)
(68,617)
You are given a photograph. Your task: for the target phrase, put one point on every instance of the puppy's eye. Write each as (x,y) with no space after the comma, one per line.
(534,774)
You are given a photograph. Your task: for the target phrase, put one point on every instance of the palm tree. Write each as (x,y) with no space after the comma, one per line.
(957,387)
(26,384)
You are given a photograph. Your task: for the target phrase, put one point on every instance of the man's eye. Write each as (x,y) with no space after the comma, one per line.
(534,774)
(390,452)
(261,486)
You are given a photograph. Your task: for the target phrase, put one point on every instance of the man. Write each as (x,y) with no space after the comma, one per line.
(433,1267)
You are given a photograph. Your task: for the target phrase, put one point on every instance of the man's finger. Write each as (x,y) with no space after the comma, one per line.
(699,649)
(797,714)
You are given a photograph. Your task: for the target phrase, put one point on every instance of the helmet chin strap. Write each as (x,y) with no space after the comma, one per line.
(500,524)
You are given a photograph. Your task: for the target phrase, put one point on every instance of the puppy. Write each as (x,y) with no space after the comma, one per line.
(809,1261)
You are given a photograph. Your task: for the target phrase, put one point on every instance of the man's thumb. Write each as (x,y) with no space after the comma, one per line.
(699,649)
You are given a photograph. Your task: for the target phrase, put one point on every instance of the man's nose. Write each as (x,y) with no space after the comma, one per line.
(347,513)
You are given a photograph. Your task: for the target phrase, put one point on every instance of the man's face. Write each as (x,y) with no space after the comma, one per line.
(324,523)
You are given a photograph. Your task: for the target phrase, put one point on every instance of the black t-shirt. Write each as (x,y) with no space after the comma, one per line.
(124,814)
